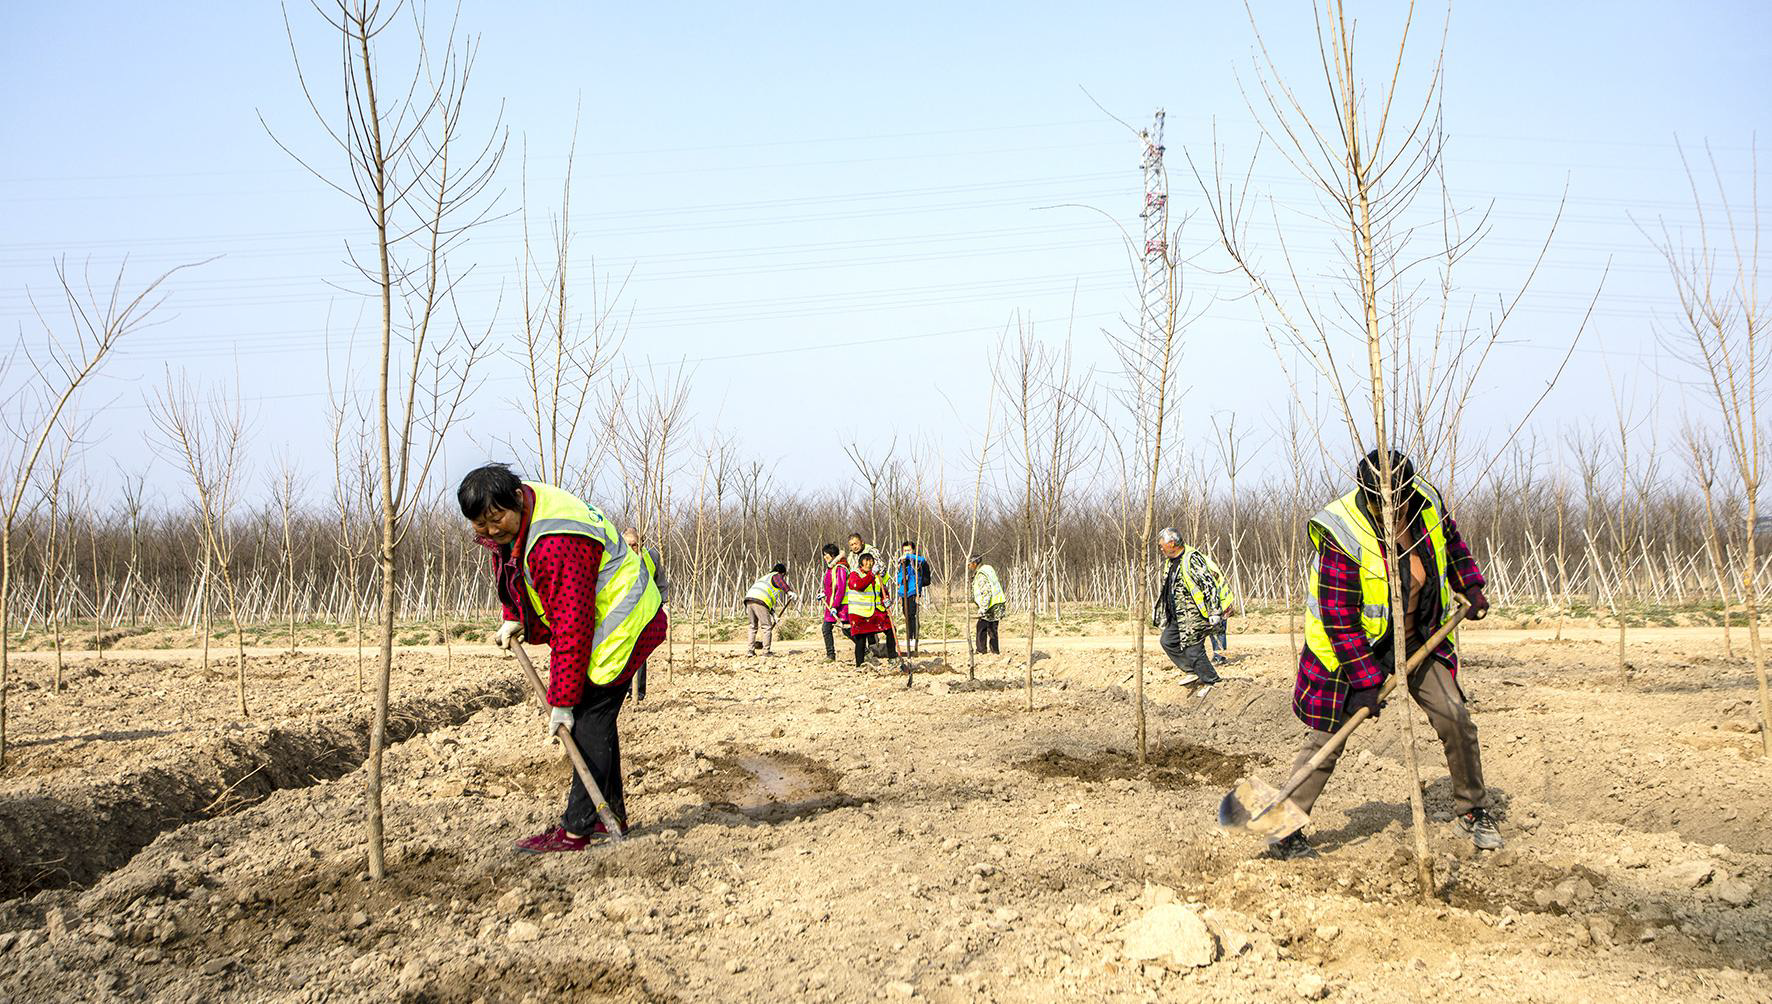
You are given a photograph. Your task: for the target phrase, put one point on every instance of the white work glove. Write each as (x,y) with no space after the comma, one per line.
(557,719)
(508,632)
(1216,620)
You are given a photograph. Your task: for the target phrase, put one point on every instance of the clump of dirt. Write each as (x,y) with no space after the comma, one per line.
(773,787)
(1184,765)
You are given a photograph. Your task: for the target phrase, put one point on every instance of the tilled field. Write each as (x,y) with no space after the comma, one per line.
(810,831)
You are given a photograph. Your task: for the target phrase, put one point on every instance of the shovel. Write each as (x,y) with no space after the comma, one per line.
(578,761)
(1258,807)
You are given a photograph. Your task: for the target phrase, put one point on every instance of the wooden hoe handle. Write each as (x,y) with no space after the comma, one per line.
(572,754)
(1339,739)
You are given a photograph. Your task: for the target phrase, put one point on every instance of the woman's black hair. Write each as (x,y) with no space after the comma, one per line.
(780,568)
(494,486)
(832,550)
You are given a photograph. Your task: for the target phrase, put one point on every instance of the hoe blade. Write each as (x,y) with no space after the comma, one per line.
(1255,806)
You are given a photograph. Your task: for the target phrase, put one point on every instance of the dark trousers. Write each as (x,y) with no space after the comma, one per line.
(882,642)
(910,623)
(985,634)
(1219,638)
(593,731)
(830,639)
(1191,657)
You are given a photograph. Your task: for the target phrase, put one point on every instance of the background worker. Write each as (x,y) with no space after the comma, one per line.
(767,599)
(834,590)
(859,547)
(911,578)
(988,597)
(870,625)
(1349,638)
(577,587)
(1193,602)
(654,567)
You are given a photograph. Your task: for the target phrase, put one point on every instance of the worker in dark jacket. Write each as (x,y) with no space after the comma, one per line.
(1349,637)
(1194,601)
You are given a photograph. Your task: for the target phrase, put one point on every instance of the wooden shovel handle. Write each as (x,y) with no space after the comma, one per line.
(579,766)
(1339,739)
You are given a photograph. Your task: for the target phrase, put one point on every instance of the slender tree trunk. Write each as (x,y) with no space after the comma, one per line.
(379,727)
(5,627)
(1751,586)
(1400,641)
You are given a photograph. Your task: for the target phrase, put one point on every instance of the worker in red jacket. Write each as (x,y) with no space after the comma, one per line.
(870,623)
(567,579)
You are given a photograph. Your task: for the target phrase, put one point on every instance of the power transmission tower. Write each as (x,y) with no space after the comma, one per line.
(1156,230)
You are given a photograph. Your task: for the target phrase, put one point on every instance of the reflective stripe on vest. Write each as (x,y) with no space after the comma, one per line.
(767,591)
(987,589)
(1195,562)
(1350,530)
(627,596)
(865,601)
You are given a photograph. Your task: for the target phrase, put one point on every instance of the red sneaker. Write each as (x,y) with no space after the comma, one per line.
(599,831)
(550,841)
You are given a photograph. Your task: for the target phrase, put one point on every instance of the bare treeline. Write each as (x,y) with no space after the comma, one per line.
(1552,525)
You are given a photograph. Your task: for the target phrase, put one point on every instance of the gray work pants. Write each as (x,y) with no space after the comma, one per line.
(1437,692)
(763,623)
(1189,656)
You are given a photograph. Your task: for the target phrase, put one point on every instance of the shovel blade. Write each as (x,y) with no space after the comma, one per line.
(1255,806)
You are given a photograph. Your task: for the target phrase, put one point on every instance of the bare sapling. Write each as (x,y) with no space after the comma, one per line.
(286,486)
(60,367)
(54,541)
(1720,329)
(424,187)
(1701,453)
(207,440)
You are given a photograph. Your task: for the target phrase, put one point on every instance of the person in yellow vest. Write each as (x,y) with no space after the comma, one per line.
(1194,601)
(767,599)
(988,597)
(870,624)
(1349,639)
(655,566)
(568,580)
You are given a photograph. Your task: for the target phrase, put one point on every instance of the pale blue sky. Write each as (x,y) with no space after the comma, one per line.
(780,177)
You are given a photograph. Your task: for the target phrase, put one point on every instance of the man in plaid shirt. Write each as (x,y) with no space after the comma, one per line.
(1343,664)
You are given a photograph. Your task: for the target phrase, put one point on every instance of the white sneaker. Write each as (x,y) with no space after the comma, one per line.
(1188,679)
(1203,691)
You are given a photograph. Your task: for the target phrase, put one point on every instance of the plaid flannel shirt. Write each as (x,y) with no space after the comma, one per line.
(1319,694)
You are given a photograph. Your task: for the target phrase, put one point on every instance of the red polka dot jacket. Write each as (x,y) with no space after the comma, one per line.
(565,569)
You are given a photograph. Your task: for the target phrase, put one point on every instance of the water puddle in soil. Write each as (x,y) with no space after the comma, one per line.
(773,787)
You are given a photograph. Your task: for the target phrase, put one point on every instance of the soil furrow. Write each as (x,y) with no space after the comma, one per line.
(71,832)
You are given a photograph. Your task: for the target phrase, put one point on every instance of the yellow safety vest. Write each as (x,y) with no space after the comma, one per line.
(1343,522)
(864,602)
(627,597)
(987,589)
(1192,556)
(766,591)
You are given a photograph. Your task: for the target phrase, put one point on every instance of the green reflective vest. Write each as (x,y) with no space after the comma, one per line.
(987,589)
(1198,571)
(627,597)
(867,601)
(767,592)
(1343,522)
